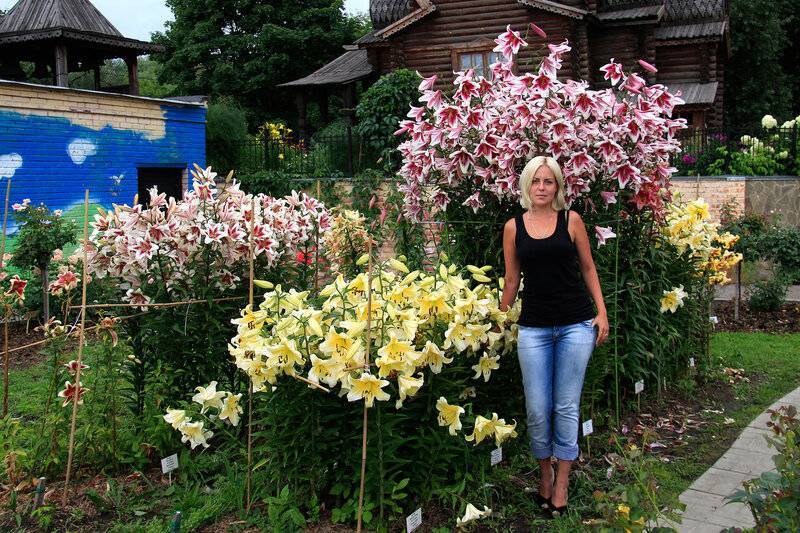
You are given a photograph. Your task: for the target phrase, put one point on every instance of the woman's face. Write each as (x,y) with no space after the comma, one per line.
(543,188)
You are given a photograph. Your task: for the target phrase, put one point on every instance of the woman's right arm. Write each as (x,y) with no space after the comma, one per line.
(512,275)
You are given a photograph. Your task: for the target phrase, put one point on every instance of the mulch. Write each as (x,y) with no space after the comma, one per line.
(786,320)
(17,336)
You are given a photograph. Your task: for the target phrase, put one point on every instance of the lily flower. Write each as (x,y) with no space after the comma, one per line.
(369,388)
(449,415)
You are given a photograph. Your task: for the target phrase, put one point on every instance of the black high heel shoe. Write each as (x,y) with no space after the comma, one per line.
(556,512)
(541,501)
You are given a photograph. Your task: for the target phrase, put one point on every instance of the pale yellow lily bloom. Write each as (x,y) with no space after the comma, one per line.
(369,388)
(485,366)
(285,355)
(408,386)
(472,514)
(175,417)
(208,397)
(434,357)
(231,409)
(194,433)
(449,415)
(327,370)
(503,432)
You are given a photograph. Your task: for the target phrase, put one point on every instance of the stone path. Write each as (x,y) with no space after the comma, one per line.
(747,458)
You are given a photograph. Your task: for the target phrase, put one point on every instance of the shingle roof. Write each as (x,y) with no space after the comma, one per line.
(695,9)
(691,31)
(634,13)
(32,20)
(371,37)
(384,12)
(350,66)
(695,93)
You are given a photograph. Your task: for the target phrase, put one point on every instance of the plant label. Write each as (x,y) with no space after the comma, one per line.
(168,464)
(714,320)
(588,428)
(414,520)
(639,386)
(691,362)
(496,456)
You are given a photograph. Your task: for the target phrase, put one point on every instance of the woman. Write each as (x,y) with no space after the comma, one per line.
(548,245)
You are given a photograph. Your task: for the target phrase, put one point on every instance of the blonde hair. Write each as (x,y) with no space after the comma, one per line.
(526,178)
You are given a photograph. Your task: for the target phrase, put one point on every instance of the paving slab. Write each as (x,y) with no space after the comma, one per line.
(747,458)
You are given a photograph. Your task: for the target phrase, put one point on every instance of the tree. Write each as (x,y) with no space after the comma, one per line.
(245,48)
(761,75)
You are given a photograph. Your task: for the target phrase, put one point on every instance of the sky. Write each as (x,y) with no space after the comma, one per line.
(139,18)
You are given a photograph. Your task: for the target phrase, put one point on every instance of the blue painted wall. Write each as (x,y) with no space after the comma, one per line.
(53,160)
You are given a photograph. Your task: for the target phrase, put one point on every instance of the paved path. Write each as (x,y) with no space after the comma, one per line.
(747,458)
(728,292)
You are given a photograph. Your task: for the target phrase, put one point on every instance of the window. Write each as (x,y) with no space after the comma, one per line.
(479,60)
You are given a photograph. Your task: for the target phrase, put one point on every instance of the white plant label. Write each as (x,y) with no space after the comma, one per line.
(691,362)
(639,386)
(496,456)
(168,464)
(714,319)
(588,428)
(414,520)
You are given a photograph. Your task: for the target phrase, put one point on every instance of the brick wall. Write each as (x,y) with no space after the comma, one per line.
(56,142)
(766,195)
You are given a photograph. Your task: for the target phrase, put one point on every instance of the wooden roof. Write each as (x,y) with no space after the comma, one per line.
(695,93)
(691,31)
(695,10)
(351,66)
(34,20)
(385,12)
(653,13)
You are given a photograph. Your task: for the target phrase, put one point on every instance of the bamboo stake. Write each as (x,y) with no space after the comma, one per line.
(7,309)
(366,362)
(81,336)
(70,334)
(251,299)
(163,304)
(316,247)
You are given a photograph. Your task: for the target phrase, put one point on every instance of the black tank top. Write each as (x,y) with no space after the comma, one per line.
(554,293)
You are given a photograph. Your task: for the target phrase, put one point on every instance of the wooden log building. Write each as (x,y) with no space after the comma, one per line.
(686,39)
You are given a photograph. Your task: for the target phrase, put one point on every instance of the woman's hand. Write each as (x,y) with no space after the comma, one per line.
(601,321)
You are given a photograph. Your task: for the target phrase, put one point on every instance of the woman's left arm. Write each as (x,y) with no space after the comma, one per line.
(578,229)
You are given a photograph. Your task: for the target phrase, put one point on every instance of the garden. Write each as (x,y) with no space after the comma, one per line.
(328,352)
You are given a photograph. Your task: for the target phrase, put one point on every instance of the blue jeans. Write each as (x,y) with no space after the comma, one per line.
(553,362)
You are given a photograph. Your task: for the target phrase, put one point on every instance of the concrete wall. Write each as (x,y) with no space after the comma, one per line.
(56,142)
(767,195)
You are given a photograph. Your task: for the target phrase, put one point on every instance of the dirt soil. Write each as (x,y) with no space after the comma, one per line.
(17,337)
(786,320)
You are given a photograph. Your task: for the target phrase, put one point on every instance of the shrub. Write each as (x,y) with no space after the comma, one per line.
(226,130)
(781,244)
(382,107)
(41,233)
(774,497)
(769,295)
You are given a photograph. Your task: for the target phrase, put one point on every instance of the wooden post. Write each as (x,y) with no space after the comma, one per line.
(97,83)
(62,70)
(133,74)
(251,299)
(5,325)
(81,338)
(738,296)
(366,366)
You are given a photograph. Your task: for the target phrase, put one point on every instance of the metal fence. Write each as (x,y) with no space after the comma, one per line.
(708,151)
(346,154)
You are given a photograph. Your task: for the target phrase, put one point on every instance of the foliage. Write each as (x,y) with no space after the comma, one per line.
(474,144)
(761,75)
(769,295)
(226,130)
(774,497)
(41,232)
(244,50)
(114,73)
(781,245)
(748,227)
(381,108)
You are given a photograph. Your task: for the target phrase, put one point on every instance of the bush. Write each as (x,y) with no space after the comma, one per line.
(781,244)
(382,107)
(769,295)
(226,130)
(774,498)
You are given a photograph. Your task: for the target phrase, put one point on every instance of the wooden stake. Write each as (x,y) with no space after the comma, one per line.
(81,335)
(251,299)
(163,304)
(366,363)
(316,247)
(7,313)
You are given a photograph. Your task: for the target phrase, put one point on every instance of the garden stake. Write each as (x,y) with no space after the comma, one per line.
(251,299)
(316,248)
(38,500)
(81,334)
(616,321)
(7,313)
(366,364)
(163,304)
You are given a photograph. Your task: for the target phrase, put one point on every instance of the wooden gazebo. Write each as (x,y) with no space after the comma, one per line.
(63,36)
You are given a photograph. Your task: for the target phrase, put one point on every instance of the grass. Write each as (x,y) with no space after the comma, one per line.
(771,362)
